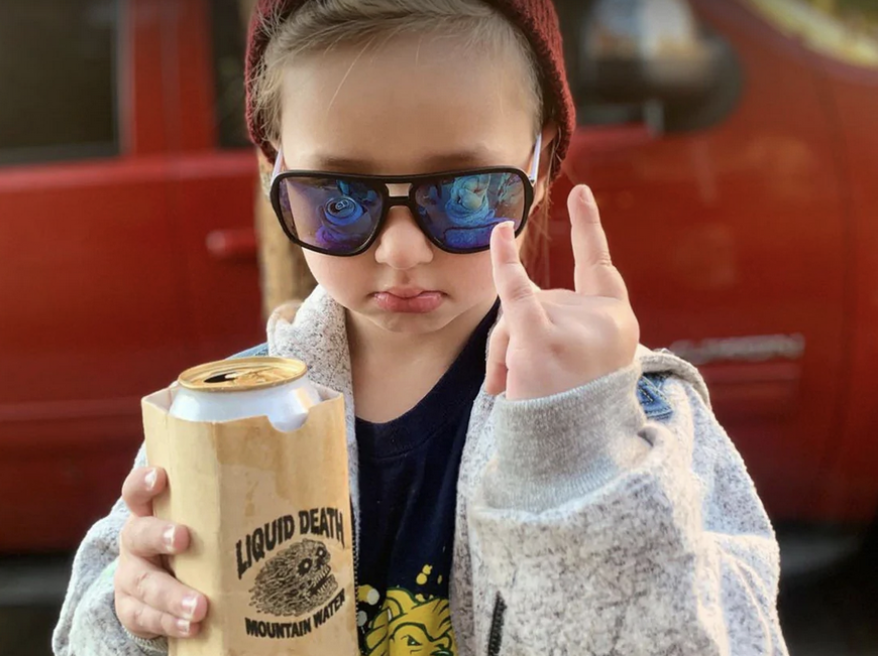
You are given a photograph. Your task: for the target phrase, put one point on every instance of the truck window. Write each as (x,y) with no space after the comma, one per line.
(229,38)
(57,80)
(648,61)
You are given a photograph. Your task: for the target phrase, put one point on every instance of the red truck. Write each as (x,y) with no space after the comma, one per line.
(731,143)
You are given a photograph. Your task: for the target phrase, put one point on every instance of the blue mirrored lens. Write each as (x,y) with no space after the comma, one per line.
(330,213)
(461,212)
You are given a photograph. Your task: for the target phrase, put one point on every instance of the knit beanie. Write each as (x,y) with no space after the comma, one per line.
(537,20)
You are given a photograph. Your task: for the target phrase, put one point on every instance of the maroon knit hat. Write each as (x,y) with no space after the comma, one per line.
(537,19)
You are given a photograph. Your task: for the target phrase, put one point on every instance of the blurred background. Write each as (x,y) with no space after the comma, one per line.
(733,148)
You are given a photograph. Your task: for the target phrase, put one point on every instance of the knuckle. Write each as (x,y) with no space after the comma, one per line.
(122,575)
(141,485)
(616,325)
(612,322)
(138,617)
(624,317)
(143,581)
(133,535)
(125,537)
(520,292)
(132,614)
(132,483)
(498,338)
(598,328)
(632,328)
(604,259)
(121,602)
(557,348)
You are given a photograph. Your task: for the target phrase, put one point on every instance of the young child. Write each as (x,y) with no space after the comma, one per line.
(570,493)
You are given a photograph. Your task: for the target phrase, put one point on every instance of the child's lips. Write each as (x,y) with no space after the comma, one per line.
(409,300)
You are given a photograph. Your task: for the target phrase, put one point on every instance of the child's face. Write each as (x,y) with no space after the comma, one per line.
(415,106)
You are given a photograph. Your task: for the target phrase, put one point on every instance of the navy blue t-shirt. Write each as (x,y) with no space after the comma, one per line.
(408,495)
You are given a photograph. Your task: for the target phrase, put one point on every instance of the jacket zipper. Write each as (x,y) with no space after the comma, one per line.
(495,637)
(354,529)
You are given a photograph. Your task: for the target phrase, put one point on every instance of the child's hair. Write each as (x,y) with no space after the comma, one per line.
(318,27)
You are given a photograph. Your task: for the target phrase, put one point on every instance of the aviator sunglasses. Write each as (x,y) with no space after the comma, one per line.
(342,215)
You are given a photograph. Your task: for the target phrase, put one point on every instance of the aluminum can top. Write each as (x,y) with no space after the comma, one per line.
(242,374)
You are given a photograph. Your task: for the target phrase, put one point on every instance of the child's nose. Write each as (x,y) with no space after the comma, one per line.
(402,245)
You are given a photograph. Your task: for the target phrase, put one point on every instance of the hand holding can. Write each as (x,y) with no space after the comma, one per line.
(149,601)
(256,462)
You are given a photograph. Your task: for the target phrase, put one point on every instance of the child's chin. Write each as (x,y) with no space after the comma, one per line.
(412,323)
(407,323)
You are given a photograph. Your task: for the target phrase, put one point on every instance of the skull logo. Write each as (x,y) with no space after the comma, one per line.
(296,581)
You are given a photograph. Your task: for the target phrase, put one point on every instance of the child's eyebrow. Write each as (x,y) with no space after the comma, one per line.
(471,158)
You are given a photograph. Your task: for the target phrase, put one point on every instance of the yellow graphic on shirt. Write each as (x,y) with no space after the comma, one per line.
(408,624)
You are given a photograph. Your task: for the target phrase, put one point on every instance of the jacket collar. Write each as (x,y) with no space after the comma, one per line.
(314,332)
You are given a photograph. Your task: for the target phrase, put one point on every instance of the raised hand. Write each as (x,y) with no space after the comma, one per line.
(548,342)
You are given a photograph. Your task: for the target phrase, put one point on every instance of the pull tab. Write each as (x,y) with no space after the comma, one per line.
(222,378)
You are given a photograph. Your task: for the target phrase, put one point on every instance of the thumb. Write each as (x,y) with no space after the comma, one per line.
(518,294)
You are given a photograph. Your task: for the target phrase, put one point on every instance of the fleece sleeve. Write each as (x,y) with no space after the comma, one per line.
(88,625)
(605,533)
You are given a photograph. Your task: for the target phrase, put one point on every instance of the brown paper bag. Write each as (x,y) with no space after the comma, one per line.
(270,523)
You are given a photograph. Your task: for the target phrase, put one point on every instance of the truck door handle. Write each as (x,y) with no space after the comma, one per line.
(232,244)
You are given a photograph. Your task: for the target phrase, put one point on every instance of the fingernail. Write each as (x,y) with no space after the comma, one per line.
(183,626)
(190,601)
(587,194)
(150,479)
(168,538)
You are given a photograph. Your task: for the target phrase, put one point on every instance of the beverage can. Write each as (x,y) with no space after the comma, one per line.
(265,495)
(277,388)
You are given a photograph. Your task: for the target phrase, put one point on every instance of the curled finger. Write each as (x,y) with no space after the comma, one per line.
(148,583)
(150,536)
(146,622)
(141,486)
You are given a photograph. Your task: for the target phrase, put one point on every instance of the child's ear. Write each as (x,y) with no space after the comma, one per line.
(550,138)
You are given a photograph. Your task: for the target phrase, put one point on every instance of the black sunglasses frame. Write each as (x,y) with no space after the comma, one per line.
(379,184)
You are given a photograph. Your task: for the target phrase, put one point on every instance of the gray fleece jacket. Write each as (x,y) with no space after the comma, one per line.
(583,526)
